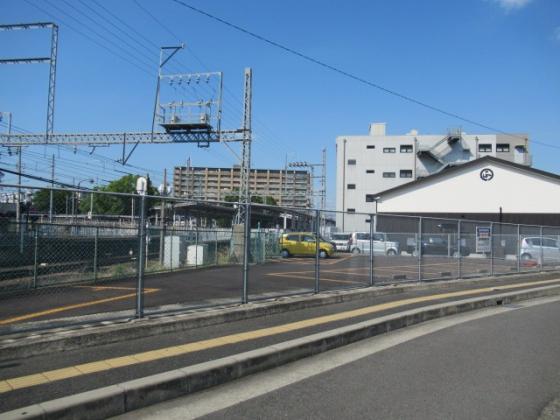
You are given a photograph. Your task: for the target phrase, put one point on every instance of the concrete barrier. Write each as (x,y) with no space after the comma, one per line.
(127,396)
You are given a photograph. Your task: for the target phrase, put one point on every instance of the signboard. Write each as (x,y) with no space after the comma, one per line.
(483,239)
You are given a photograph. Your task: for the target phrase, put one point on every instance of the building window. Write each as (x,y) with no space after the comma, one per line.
(370,198)
(520,149)
(351,161)
(351,186)
(370,171)
(389,150)
(406,148)
(502,147)
(351,210)
(389,175)
(485,148)
(406,173)
(370,146)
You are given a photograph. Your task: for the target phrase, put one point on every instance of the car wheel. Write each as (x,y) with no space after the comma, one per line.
(356,251)
(323,254)
(526,257)
(285,253)
(391,252)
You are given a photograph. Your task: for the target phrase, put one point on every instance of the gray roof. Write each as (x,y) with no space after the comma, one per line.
(452,169)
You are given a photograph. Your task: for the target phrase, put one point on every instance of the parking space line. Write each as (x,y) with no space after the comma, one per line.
(27,381)
(70,307)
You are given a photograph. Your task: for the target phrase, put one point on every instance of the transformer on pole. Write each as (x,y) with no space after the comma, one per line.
(322,191)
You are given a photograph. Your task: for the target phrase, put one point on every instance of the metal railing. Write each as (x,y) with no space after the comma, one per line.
(86,267)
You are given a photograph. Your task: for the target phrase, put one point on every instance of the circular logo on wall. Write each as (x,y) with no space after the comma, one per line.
(486,174)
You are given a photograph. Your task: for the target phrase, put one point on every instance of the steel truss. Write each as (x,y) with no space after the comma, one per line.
(33,60)
(101,139)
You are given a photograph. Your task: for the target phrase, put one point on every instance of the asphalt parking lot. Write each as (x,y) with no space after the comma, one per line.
(221,285)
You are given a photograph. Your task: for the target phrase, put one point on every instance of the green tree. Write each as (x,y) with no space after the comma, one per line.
(114,204)
(41,201)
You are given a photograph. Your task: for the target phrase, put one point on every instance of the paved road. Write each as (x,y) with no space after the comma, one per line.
(24,381)
(223,285)
(500,363)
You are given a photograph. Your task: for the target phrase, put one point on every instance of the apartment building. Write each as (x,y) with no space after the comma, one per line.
(370,164)
(288,187)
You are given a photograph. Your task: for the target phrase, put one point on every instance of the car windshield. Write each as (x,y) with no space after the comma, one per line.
(340,236)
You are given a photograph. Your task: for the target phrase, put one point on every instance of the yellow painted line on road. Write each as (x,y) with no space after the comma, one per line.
(70,307)
(27,381)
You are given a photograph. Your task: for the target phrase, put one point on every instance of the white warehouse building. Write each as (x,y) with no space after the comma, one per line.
(370,164)
(488,189)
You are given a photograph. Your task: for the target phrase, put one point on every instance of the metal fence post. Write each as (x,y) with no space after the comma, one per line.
(216,250)
(35,256)
(196,248)
(491,248)
(542,254)
(419,249)
(518,248)
(141,245)
(95,251)
(246,248)
(460,259)
(171,240)
(317,250)
(371,232)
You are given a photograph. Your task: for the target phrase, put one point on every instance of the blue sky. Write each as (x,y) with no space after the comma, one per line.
(495,62)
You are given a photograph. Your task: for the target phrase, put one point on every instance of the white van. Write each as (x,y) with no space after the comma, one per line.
(359,243)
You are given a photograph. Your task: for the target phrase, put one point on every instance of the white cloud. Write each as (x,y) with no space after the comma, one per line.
(512,4)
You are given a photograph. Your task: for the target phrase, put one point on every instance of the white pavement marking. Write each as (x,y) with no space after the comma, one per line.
(236,392)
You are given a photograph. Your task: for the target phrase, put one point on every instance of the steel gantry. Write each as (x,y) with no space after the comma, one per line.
(32,60)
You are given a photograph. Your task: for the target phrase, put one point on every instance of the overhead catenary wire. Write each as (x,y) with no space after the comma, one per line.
(91,39)
(231,109)
(352,76)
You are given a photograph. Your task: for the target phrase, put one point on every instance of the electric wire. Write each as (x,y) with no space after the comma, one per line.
(89,38)
(351,75)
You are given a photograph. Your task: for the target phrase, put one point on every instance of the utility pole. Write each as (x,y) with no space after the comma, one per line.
(322,193)
(51,197)
(244,188)
(163,193)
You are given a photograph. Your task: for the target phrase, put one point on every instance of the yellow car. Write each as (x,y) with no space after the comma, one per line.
(303,243)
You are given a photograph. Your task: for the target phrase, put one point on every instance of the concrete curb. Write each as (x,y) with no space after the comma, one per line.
(22,346)
(127,396)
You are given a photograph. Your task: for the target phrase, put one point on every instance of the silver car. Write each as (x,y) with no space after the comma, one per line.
(341,241)
(532,248)
(359,243)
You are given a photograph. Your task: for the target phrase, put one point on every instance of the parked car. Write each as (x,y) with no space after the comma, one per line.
(359,243)
(533,247)
(341,241)
(436,245)
(304,243)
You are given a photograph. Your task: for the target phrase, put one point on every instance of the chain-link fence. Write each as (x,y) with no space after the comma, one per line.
(164,254)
